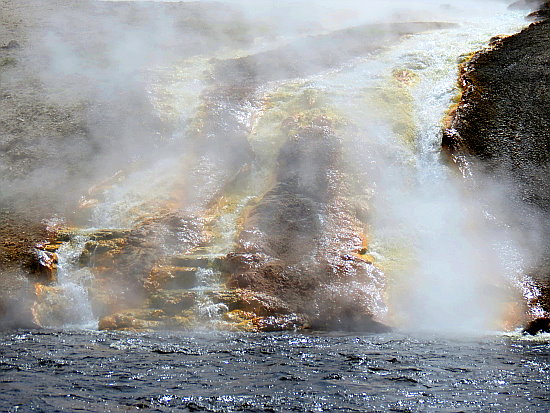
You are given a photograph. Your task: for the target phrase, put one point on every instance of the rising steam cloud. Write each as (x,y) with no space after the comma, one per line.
(133,77)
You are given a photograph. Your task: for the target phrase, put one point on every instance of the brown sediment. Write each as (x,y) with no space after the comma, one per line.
(503,125)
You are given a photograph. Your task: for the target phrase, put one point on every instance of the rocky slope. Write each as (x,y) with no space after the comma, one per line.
(502,126)
(80,125)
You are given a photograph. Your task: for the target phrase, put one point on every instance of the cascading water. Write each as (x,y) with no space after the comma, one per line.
(67,304)
(429,234)
(73,282)
(247,257)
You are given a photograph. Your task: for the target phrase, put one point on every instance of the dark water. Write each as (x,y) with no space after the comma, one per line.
(51,371)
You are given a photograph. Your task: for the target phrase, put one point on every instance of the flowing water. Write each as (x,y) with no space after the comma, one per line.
(440,252)
(90,371)
(73,281)
(420,206)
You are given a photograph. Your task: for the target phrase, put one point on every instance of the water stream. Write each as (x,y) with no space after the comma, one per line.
(435,220)
(429,231)
(68,305)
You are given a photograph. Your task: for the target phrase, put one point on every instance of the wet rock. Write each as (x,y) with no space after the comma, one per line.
(539,325)
(253,302)
(173,301)
(240,317)
(348,319)
(110,234)
(180,322)
(101,253)
(146,320)
(501,119)
(131,264)
(170,277)
(298,247)
(251,322)
(19,234)
(198,260)
(132,320)
(50,306)
(45,265)
(540,15)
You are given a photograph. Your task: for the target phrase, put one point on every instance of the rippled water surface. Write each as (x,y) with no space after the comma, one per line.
(94,371)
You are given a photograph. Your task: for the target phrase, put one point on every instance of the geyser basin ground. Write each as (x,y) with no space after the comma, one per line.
(269,177)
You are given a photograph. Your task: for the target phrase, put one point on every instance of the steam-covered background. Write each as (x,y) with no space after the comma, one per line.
(105,74)
(286,150)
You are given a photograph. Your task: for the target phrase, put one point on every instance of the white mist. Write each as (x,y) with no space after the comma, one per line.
(452,274)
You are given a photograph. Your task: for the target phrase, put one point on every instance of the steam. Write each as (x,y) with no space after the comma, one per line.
(452,246)
(137,74)
(99,64)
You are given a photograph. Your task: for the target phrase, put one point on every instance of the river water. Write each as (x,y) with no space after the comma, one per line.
(91,371)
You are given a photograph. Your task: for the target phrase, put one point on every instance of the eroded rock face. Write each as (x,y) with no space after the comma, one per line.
(26,256)
(503,123)
(125,263)
(301,259)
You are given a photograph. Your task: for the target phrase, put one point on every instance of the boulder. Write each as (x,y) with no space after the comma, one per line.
(173,302)
(539,325)
(146,319)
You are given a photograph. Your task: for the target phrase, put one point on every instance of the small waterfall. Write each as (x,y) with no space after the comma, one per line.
(67,304)
(451,273)
(74,282)
(469,267)
(208,279)
(449,266)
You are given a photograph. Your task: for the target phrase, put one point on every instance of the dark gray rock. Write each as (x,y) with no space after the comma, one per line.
(503,121)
